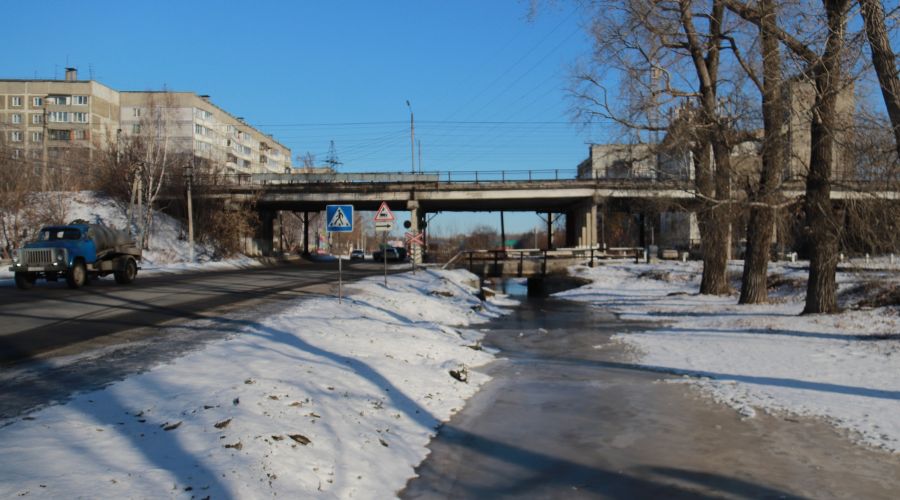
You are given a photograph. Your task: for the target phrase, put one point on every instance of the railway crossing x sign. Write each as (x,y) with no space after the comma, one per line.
(340,218)
(415,239)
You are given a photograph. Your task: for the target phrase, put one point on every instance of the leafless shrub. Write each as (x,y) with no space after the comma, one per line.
(872,293)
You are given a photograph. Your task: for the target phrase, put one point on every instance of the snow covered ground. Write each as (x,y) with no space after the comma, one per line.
(308,398)
(313,399)
(843,368)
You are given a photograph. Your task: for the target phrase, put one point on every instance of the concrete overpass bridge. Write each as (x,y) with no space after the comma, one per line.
(583,201)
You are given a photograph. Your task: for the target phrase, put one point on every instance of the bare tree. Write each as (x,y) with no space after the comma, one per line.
(150,155)
(883,60)
(826,70)
(765,197)
(18,180)
(670,53)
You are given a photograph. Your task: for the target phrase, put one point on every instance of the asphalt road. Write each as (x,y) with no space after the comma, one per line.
(51,316)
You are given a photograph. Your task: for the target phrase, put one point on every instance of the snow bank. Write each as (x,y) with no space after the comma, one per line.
(169,250)
(842,368)
(316,398)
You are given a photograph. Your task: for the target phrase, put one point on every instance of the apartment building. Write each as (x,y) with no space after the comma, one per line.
(74,119)
(57,118)
(193,123)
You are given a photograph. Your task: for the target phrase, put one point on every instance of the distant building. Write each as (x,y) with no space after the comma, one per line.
(74,119)
(800,97)
(619,161)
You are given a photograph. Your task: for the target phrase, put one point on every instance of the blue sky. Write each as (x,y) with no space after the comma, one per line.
(486,84)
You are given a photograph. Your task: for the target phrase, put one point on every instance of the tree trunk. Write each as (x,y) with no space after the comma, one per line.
(713,229)
(883,61)
(715,280)
(713,181)
(754,281)
(821,291)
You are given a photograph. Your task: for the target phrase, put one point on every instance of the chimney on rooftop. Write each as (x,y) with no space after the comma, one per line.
(205,97)
(71,74)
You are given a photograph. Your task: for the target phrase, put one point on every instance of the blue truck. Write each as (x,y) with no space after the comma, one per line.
(76,252)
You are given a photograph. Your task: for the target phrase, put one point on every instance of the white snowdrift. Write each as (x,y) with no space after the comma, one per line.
(313,399)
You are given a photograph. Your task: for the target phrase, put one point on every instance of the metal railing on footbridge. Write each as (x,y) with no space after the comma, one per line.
(525,262)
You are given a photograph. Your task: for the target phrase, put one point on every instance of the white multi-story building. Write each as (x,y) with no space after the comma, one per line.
(71,118)
(193,123)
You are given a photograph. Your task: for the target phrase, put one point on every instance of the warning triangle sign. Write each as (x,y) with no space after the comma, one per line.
(339,219)
(384,213)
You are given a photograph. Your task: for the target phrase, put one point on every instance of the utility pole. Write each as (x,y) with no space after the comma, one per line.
(189,174)
(140,202)
(412,137)
(44,138)
(420,155)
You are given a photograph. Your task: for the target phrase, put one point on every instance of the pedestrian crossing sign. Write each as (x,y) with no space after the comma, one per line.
(339,218)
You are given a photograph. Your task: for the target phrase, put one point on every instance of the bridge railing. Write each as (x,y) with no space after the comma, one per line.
(429,177)
(475,176)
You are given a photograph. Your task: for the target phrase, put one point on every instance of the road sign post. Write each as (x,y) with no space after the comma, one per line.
(384,221)
(414,241)
(339,219)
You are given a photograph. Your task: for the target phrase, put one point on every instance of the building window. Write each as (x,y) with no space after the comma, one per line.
(16,153)
(15,136)
(136,128)
(58,117)
(80,117)
(136,112)
(37,137)
(60,135)
(80,100)
(60,100)
(81,135)
(15,118)
(36,153)
(15,101)
(37,119)
(202,114)
(37,101)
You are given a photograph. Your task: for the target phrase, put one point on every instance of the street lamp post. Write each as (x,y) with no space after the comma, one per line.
(412,137)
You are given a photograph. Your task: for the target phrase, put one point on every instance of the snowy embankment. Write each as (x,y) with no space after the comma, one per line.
(169,250)
(317,398)
(842,368)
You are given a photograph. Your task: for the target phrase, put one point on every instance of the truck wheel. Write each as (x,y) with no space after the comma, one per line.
(76,276)
(126,275)
(25,280)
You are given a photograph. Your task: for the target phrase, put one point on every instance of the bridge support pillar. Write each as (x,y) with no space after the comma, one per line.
(581,225)
(306,234)
(415,251)
(263,240)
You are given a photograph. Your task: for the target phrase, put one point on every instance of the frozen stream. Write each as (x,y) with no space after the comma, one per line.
(571,414)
